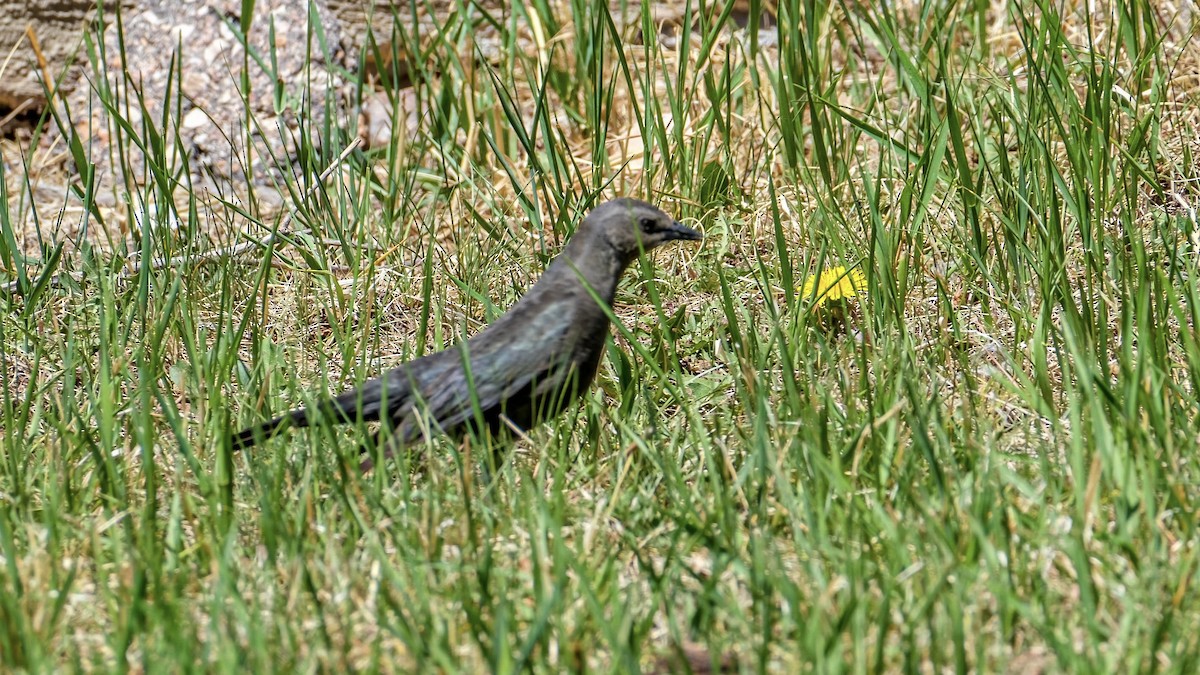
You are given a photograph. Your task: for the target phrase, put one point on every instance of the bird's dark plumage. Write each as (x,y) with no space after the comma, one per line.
(528,364)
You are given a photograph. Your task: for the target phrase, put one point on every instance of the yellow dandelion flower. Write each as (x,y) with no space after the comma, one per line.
(836,283)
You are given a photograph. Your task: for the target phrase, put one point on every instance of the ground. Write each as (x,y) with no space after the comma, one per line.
(979,457)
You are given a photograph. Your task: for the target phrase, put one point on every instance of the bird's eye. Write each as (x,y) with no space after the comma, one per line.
(647,224)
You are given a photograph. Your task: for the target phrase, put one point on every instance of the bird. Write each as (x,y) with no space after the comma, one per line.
(522,369)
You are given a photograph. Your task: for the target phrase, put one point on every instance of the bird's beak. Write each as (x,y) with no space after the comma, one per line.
(680,231)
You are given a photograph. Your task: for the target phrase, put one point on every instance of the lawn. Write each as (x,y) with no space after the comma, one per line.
(982,458)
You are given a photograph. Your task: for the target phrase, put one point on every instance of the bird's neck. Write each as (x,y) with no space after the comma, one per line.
(596,265)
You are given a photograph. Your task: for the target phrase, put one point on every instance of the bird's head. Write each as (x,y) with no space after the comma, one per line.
(631,226)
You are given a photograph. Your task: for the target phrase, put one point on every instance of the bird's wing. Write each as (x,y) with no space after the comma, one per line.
(524,351)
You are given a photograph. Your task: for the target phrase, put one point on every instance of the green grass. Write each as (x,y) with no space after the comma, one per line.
(992,467)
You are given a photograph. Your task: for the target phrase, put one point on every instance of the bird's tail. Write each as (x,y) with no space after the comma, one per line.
(363,404)
(261,432)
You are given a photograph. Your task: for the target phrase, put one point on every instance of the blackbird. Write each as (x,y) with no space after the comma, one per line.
(525,367)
